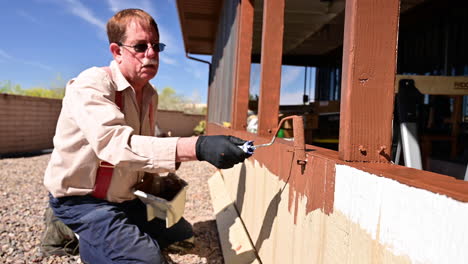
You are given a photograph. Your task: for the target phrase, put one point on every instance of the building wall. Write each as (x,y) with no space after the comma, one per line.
(373,220)
(223,65)
(28,123)
(332,211)
(178,123)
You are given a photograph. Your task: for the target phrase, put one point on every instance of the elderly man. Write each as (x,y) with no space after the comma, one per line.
(105,146)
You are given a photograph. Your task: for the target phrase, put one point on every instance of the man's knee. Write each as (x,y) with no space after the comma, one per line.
(139,250)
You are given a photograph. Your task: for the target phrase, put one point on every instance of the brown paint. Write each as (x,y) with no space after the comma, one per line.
(299,140)
(270,72)
(242,75)
(438,183)
(317,182)
(369,66)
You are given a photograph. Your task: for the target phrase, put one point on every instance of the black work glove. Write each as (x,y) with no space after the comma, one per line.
(221,151)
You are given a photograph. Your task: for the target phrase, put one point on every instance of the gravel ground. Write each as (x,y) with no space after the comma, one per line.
(24,199)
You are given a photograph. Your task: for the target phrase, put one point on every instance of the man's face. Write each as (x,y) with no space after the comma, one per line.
(139,67)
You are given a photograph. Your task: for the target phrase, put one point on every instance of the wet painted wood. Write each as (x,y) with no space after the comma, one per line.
(240,99)
(369,66)
(270,73)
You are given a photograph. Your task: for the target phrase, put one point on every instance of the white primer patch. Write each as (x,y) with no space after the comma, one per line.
(425,226)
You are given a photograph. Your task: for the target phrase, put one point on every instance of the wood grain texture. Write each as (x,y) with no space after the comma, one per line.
(270,72)
(240,99)
(369,66)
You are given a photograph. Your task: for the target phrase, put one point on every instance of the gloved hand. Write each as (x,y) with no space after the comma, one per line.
(221,151)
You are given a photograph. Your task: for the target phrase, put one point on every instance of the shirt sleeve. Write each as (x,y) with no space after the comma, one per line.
(89,101)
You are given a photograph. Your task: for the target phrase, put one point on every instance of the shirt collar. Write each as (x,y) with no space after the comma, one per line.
(122,83)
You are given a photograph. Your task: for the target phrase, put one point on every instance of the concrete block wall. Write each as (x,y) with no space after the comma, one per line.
(27,123)
(178,123)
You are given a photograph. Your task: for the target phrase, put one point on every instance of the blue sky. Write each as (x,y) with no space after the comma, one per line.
(46,40)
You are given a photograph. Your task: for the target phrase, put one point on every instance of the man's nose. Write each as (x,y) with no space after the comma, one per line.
(150,52)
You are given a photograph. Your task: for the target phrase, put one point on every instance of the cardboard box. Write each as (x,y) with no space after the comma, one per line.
(165,199)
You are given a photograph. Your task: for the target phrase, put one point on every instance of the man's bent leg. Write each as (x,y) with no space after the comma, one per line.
(156,228)
(180,235)
(106,234)
(57,239)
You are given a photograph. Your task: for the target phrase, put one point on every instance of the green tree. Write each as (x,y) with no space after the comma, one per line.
(57,90)
(58,86)
(42,92)
(8,87)
(170,100)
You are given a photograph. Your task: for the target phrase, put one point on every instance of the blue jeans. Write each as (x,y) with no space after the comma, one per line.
(117,232)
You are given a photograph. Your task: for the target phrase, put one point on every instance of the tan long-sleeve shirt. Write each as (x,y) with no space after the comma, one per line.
(91,128)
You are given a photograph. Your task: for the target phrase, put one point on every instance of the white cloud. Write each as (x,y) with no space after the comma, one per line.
(38,65)
(26,15)
(117,5)
(8,57)
(81,11)
(196,72)
(166,59)
(5,55)
(170,49)
(255,89)
(167,38)
(289,75)
(293,98)
(198,69)
(255,79)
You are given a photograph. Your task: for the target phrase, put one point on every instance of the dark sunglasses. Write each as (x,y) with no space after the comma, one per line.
(140,48)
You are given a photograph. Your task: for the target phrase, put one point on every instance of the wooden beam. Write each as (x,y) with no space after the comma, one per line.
(270,73)
(369,66)
(240,97)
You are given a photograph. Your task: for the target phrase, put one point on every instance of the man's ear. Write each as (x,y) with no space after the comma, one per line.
(116,52)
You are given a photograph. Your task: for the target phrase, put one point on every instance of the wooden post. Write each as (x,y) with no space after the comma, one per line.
(270,73)
(240,97)
(369,66)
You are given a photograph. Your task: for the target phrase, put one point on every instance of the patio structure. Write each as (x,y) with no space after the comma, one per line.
(346,202)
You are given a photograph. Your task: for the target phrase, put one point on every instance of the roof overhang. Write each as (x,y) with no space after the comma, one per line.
(199,22)
(312,28)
